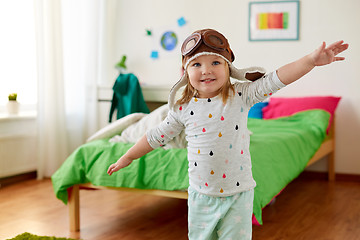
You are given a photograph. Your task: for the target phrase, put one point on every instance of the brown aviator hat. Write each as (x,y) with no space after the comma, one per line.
(211,42)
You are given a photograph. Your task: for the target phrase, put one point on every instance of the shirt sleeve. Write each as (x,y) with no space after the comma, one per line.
(165,131)
(261,89)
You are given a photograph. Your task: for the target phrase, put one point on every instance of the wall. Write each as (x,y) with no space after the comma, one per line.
(321,20)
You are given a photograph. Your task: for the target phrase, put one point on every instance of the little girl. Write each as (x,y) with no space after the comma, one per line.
(213,112)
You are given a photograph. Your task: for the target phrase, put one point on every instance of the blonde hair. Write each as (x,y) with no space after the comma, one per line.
(190,92)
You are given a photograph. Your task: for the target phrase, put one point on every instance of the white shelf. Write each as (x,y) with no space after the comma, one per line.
(22,115)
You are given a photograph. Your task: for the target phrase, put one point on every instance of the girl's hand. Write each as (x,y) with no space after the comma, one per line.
(141,148)
(121,163)
(326,55)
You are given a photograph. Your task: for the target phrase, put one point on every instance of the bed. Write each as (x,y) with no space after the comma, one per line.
(288,134)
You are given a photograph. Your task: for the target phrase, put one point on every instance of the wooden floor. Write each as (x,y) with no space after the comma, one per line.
(307,209)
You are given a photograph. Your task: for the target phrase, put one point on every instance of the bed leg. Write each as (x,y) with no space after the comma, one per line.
(331,167)
(331,157)
(74,209)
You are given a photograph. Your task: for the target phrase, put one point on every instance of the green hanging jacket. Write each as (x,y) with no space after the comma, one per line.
(127,97)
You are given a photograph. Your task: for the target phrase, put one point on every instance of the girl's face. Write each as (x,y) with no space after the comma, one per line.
(208,74)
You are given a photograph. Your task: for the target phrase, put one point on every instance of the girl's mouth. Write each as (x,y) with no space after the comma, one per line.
(207,80)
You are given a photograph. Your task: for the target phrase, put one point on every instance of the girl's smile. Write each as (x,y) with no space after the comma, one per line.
(207,80)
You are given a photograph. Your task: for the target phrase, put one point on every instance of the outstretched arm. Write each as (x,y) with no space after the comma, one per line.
(141,148)
(321,56)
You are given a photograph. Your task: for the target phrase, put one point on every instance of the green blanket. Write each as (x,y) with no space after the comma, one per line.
(280,149)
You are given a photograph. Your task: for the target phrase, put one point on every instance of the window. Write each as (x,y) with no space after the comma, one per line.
(18,51)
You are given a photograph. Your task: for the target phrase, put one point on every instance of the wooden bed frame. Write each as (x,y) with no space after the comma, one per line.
(327,148)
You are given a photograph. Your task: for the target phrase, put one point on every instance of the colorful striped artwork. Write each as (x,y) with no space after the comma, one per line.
(272,20)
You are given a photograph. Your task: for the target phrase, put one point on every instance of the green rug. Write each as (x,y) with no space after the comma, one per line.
(29,236)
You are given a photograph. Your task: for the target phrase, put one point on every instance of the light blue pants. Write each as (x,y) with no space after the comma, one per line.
(220,217)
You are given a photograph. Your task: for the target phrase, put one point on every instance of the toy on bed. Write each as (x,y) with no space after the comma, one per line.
(288,135)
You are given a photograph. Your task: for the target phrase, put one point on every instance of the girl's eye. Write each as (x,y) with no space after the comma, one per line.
(216,63)
(196,65)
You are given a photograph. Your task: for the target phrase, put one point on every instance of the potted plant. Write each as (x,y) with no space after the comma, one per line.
(13,104)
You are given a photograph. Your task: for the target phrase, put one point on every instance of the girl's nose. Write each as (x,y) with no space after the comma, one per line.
(206,70)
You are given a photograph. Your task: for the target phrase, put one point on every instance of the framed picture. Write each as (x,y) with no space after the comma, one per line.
(274,21)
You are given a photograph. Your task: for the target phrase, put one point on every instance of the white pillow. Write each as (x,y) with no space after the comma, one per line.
(116,127)
(135,131)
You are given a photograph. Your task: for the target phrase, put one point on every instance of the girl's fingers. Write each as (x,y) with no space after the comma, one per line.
(322,47)
(335,45)
(338,47)
(111,169)
(339,58)
(342,48)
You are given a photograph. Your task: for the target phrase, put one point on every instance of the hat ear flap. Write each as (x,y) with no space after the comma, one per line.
(247,74)
(253,76)
(182,82)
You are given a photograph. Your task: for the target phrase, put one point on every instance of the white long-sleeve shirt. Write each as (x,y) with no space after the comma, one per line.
(217,135)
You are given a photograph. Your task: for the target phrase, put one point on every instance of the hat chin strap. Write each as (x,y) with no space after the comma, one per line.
(243,74)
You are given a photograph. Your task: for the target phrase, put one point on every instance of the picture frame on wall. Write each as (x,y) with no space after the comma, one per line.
(274,21)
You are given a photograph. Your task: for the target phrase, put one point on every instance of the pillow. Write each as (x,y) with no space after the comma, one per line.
(116,127)
(256,110)
(280,107)
(135,131)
